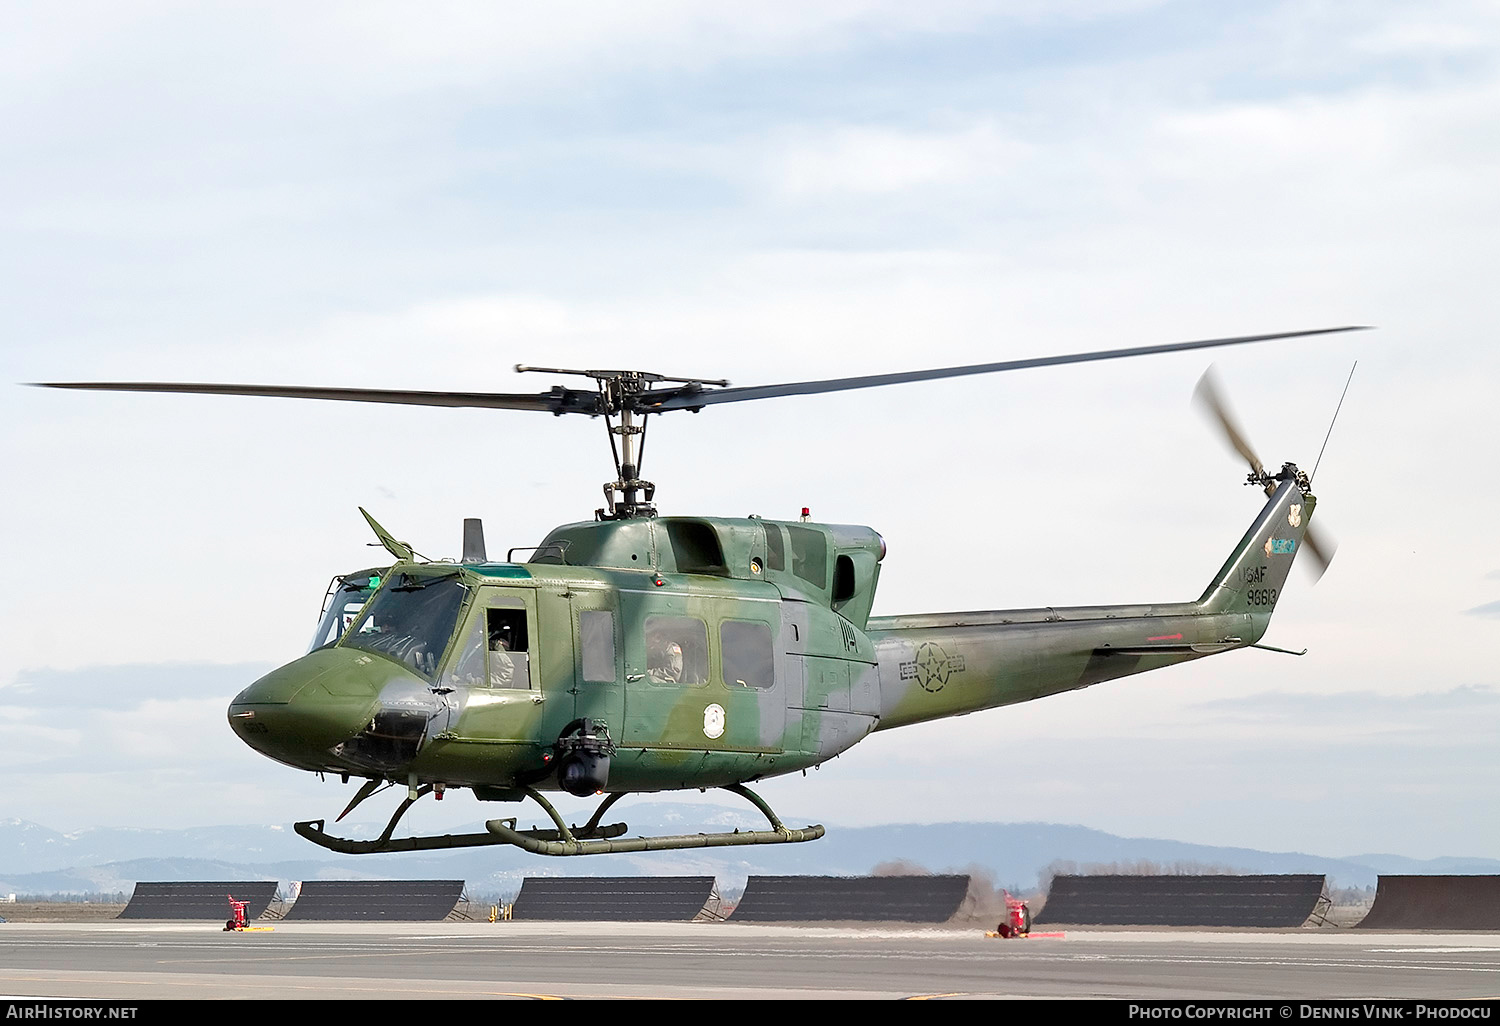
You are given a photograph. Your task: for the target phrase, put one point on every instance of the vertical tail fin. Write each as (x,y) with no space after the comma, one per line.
(1255,573)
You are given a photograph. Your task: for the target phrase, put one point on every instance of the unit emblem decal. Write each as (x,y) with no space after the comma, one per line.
(933,667)
(1281,546)
(713,721)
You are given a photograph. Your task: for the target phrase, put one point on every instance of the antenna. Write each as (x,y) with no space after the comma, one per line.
(1336,410)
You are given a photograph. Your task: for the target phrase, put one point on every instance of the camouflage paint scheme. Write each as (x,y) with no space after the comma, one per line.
(838,674)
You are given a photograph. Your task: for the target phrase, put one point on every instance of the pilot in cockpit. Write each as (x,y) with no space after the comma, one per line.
(502,666)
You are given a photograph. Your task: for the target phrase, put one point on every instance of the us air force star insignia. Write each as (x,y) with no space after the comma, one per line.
(713,721)
(932,667)
(1294,515)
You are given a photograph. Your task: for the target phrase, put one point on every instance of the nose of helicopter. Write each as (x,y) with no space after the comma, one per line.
(298,714)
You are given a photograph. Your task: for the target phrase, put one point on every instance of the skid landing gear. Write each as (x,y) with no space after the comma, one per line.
(590,839)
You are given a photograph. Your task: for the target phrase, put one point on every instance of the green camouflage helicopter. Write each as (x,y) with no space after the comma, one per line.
(640,653)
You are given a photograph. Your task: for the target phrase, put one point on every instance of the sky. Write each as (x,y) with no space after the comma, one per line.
(422,196)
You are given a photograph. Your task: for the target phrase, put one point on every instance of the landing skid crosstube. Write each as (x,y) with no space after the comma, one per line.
(590,839)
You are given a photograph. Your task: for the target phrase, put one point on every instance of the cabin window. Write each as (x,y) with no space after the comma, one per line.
(506,642)
(346,597)
(809,555)
(410,621)
(596,640)
(749,660)
(468,666)
(775,547)
(676,650)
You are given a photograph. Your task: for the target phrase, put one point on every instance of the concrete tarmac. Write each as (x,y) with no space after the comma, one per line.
(131,960)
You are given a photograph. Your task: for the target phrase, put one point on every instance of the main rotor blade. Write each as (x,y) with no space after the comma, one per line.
(661,400)
(558,401)
(1207,394)
(694,396)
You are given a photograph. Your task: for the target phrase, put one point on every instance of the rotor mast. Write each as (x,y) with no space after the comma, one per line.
(622,399)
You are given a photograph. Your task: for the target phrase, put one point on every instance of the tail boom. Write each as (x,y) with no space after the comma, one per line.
(946,664)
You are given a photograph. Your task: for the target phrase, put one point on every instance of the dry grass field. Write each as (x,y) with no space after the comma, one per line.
(58,912)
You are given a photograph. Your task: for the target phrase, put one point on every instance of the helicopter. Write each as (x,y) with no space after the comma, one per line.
(637,652)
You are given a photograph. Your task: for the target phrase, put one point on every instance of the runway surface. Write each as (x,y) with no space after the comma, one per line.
(128,960)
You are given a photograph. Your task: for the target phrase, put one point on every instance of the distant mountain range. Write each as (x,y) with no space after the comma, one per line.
(1020,856)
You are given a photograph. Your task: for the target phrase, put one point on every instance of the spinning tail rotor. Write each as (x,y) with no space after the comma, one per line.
(1211,400)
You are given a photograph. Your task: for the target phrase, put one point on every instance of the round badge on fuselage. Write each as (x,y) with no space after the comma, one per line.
(713,721)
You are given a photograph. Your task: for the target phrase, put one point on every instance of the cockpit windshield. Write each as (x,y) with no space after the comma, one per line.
(346,597)
(410,621)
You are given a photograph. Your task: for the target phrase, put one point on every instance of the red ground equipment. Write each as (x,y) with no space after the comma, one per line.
(1017,921)
(236,921)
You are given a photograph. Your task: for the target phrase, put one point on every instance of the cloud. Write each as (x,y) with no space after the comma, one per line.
(868,161)
(1451,29)
(92,688)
